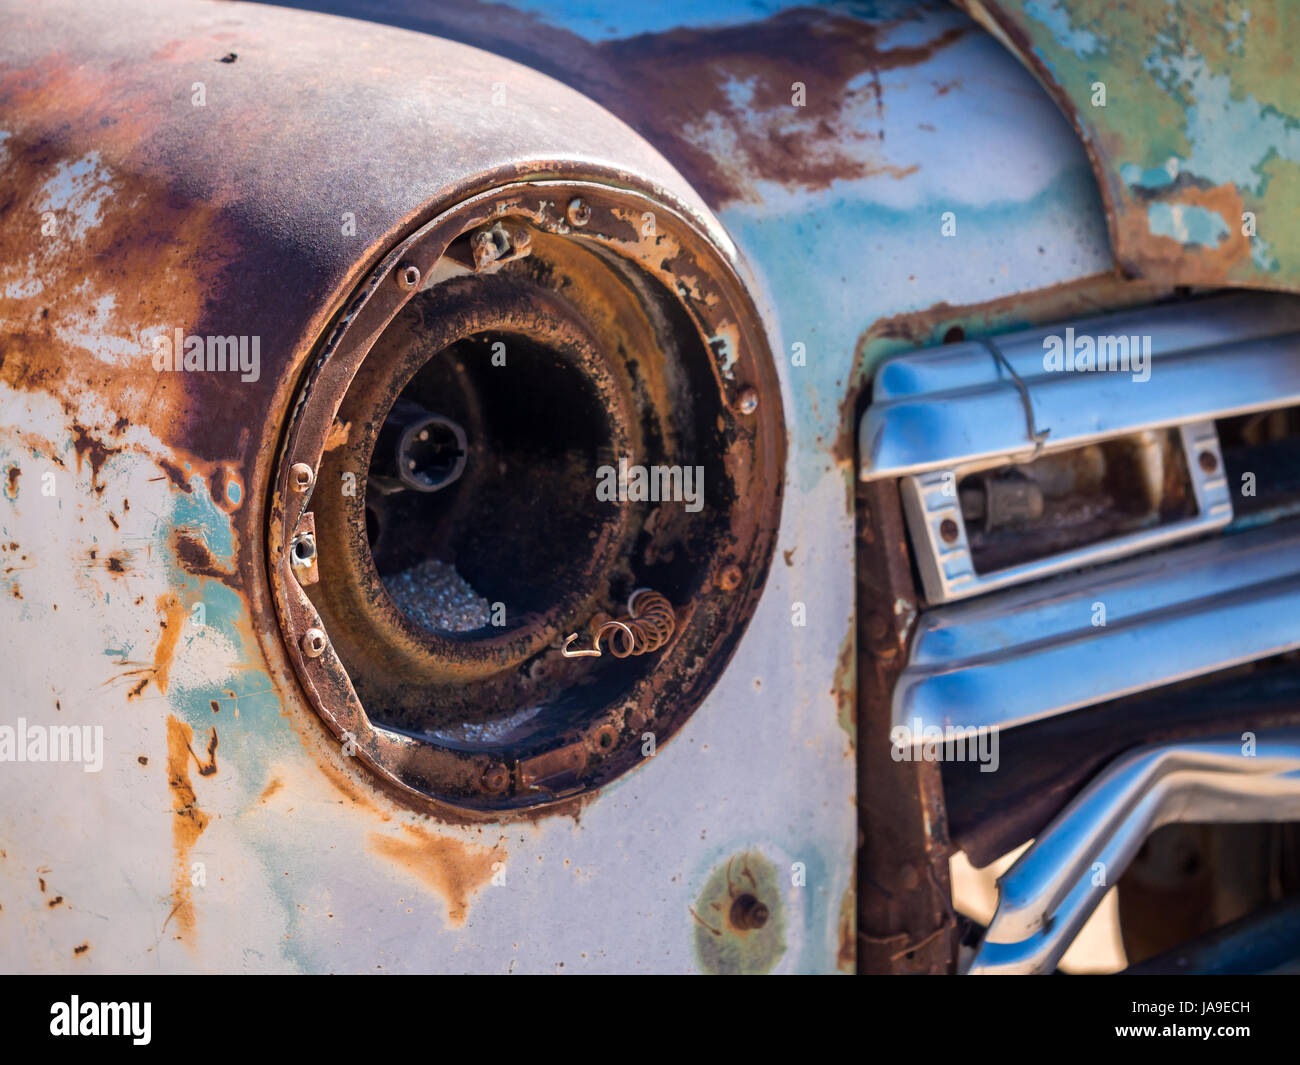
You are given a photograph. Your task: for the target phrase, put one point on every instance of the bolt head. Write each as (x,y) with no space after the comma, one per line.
(314,643)
(747,401)
(301,476)
(578,213)
(605,737)
(408,276)
(730,577)
(748,913)
(495,778)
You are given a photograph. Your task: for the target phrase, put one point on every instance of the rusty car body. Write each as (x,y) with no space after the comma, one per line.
(828,189)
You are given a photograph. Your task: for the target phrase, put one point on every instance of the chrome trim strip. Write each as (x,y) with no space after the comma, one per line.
(955,405)
(1052,890)
(1033,652)
(948,570)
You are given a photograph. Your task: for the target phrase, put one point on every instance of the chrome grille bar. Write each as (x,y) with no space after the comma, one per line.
(1029,653)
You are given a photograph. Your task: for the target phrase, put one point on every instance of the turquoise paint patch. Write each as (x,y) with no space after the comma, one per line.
(1230,137)
(886,261)
(252,733)
(224,611)
(598,20)
(1261,254)
(1187,224)
(250,729)
(1156,177)
(233,492)
(196,511)
(823,909)
(1053,15)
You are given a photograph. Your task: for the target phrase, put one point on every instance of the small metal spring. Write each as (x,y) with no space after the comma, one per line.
(649,624)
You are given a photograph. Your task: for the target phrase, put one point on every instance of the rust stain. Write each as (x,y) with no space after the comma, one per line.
(175,474)
(81,949)
(90,448)
(174,613)
(352,791)
(844,690)
(196,557)
(153,243)
(11,485)
(208,768)
(686,80)
(188,822)
(373,796)
(455,870)
(275,785)
(1146,254)
(338,435)
(678,88)
(846,959)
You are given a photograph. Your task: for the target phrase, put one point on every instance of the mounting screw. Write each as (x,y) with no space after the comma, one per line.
(303,550)
(579,214)
(494,242)
(313,643)
(949,531)
(605,737)
(881,637)
(730,577)
(748,913)
(748,400)
(301,476)
(408,276)
(1208,462)
(495,778)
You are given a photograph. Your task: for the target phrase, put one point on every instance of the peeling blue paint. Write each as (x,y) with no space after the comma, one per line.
(1188,224)
(600,21)
(1053,15)
(1231,139)
(1156,177)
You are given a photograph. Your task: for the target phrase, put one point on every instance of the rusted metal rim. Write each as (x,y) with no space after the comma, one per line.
(463,311)
(634,233)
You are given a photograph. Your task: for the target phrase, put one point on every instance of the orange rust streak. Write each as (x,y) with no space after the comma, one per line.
(1160,257)
(188,821)
(208,768)
(454,869)
(174,617)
